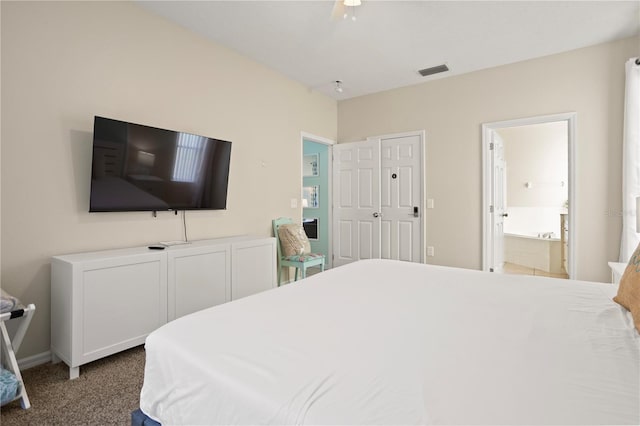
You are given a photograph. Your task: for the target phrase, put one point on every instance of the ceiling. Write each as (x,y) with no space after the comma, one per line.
(391,40)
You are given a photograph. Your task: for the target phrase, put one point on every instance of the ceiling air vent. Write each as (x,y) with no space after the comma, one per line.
(433,70)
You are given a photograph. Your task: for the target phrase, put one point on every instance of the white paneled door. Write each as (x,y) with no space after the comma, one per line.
(401,198)
(356,204)
(378,203)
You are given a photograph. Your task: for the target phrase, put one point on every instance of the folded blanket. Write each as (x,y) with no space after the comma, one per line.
(8,386)
(7,302)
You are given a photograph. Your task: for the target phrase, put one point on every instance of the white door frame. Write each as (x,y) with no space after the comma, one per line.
(423,184)
(329,142)
(487,229)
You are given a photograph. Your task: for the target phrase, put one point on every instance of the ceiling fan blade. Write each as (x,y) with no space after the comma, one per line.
(338,10)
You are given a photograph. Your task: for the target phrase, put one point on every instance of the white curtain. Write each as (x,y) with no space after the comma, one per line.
(630,160)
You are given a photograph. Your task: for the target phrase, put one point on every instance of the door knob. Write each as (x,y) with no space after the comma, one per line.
(376,214)
(504,214)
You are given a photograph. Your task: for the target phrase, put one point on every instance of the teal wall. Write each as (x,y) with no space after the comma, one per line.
(322,180)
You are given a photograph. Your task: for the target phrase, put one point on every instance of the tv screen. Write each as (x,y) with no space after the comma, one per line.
(142,168)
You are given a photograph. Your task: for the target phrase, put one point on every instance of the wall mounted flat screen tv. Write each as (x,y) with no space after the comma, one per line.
(142,168)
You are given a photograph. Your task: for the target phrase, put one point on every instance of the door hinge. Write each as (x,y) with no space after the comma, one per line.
(490,209)
(491,146)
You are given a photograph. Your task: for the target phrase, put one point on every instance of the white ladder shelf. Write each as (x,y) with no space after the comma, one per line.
(11,346)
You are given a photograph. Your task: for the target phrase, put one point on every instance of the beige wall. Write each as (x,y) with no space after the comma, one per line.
(537,154)
(63,63)
(589,81)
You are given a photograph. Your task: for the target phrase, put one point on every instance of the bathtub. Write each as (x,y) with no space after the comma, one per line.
(533,251)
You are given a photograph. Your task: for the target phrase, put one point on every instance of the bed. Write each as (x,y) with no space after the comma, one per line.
(388,342)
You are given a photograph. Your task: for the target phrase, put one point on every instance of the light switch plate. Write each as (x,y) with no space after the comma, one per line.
(294,203)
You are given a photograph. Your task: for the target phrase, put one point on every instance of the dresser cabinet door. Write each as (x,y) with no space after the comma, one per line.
(122,301)
(199,277)
(254,266)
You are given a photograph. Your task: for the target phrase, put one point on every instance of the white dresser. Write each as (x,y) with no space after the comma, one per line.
(108,301)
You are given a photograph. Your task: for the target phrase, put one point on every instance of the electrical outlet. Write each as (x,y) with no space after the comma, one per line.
(430,251)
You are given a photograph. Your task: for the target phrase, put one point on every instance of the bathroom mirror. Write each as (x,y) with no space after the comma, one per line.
(310,198)
(310,165)
(310,225)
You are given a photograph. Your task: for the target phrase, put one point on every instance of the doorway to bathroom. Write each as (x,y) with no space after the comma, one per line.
(528,195)
(316,194)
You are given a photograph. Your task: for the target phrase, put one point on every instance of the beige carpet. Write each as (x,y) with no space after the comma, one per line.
(105,393)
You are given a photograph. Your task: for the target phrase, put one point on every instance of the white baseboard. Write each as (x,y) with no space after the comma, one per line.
(34,360)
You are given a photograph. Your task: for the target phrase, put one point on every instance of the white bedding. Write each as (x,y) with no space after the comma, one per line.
(8,302)
(386,342)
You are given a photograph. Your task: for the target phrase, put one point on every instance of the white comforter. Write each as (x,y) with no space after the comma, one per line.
(385,342)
